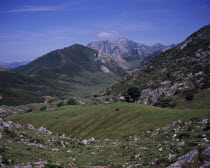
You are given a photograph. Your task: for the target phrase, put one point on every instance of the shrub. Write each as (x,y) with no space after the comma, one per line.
(71,101)
(189,97)
(61,103)
(107,99)
(43,108)
(29,110)
(183,135)
(207,127)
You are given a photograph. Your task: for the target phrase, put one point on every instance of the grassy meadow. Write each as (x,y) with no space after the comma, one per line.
(103,121)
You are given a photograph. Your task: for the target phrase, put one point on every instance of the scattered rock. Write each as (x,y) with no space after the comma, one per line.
(55,149)
(204,121)
(62,144)
(40,164)
(0,136)
(138,165)
(136,156)
(31,127)
(181,144)
(26,166)
(161,149)
(172,124)
(37,145)
(170,156)
(85,141)
(6,124)
(44,130)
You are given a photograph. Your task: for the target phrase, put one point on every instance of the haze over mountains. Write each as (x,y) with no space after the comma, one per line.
(14,64)
(135,54)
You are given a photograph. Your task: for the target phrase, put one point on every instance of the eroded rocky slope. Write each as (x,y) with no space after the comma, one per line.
(184,67)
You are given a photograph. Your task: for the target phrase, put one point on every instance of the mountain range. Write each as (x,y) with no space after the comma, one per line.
(173,74)
(75,70)
(135,54)
(78,70)
(14,64)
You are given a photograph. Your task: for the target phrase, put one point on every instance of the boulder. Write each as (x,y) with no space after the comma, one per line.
(31,127)
(6,124)
(85,141)
(183,159)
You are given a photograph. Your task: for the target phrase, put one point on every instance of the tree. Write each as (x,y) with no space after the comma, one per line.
(71,101)
(134,93)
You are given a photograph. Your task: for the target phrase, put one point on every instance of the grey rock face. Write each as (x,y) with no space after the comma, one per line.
(205,165)
(124,47)
(108,60)
(183,159)
(135,54)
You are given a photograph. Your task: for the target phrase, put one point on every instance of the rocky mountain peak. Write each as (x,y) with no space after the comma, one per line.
(128,50)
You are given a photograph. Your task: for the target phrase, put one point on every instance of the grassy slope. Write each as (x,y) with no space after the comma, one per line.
(201,100)
(71,71)
(103,121)
(18,89)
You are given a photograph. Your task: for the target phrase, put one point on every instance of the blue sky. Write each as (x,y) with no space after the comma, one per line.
(31,28)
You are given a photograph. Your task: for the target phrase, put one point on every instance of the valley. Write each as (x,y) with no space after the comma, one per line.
(109,104)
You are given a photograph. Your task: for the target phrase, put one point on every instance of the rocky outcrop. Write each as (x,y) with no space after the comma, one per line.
(192,157)
(183,159)
(185,66)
